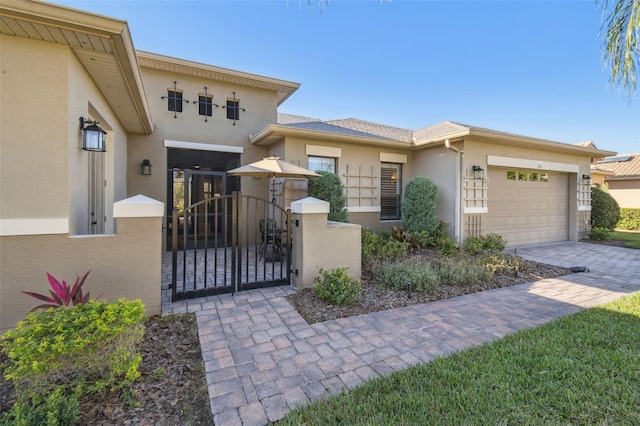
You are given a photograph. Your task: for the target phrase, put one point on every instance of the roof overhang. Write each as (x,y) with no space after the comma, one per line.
(513,140)
(283,88)
(103,46)
(624,177)
(275,132)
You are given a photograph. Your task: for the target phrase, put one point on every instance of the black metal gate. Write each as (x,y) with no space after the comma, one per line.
(227,244)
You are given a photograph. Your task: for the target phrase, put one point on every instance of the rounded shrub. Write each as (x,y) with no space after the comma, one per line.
(605,211)
(328,187)
(419,204)
(337,286)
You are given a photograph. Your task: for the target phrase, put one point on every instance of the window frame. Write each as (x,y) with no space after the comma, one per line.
(233,109)
(205,102)
(333,160)
(391,212)
(174,100)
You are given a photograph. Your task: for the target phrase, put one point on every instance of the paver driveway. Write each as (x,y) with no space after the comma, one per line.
(262,358)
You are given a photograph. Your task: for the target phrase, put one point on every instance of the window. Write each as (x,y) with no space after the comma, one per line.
(205,105)
(522,175)
(544,177)
(233,110)
(174,101)
(533,177)
(390,191)
(511,175)
(321,163)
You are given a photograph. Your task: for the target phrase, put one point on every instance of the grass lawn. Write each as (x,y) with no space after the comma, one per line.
(583,369)
(632,238)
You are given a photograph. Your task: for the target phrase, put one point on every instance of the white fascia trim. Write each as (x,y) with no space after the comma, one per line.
(45,226)
(584,208)
(364,209)
(476,210)
(524,163)
(203,146)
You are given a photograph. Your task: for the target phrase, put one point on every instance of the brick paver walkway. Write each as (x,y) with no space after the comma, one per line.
(262,359)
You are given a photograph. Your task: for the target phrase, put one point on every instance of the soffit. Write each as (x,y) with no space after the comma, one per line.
(102,45)
(283,88)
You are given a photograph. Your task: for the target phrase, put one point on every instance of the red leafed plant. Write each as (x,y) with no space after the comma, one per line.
(61,293)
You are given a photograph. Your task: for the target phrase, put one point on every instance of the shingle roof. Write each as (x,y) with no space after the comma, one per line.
(347,127)
(377,129)
(626,168)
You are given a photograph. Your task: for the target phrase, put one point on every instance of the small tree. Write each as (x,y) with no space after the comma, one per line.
(328,187)
(605,211)
(419,205)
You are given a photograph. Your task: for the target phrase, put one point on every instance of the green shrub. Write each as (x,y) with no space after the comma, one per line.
(605,211)
(398,275)
(478,243)
(328,187)
(382,245)
(629,219)
(427,277)
(599,234)
(54,409)
(459,272)
(337,286)
(442,240)
(91,345)
(414,240)
(419,205)
(501,263)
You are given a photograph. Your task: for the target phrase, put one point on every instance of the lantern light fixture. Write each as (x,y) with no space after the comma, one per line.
(478,172)
(586,177)
(145,167)
(93,136)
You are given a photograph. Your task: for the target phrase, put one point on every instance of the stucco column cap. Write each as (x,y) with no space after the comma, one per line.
(310,205)
(138,206)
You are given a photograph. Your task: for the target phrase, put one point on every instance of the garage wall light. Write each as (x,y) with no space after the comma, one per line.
(478,172)
(586,177)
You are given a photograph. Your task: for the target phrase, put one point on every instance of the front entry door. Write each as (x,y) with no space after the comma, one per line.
(206,222)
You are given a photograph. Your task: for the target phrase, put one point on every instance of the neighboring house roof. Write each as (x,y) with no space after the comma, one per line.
(623,166)
(283,88)
(586,144)
(102,45)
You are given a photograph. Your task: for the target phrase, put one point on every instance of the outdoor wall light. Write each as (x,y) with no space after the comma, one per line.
(93,136)
(586,177)
(478,172)
(145,167)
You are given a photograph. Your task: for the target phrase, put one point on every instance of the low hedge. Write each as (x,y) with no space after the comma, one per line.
(629,219)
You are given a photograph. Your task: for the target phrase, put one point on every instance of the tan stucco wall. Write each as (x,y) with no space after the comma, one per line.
(189,126)
(475,153)
(352,159)
(125,265)
(34,129)
(439,165)
(625,192)
(44,171)
(85,100)
(318,243)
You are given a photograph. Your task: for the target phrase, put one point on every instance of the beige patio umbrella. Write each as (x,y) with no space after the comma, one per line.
(272,167)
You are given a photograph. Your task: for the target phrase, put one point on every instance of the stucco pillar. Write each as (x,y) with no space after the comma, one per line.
(319,243)
(139,237)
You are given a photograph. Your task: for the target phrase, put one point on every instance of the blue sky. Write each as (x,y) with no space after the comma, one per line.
(532,68)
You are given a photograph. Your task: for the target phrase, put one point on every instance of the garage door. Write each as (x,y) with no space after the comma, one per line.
(528,206)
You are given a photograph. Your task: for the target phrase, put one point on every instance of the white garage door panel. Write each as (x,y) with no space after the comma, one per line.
(528,212)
